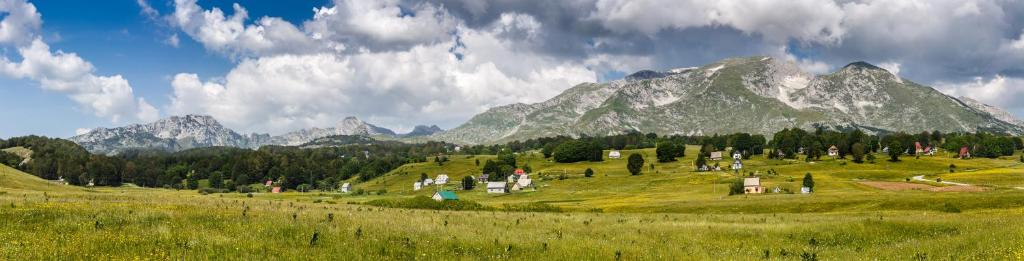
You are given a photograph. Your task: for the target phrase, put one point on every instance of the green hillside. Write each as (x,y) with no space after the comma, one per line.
(11,178)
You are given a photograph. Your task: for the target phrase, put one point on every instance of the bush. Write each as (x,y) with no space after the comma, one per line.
(736,188)
(950,208)
(588,173)
(635,164)
(304,187)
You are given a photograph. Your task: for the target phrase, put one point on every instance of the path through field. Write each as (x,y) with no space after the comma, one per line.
(921,178)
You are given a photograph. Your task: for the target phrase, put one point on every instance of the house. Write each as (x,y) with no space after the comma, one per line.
(614,154)
(965,153)
(917,148)
(716,155)
(885,150)
(520,172)
(496,187)
(417,186)
(428,182)
(483,177)
(91,183)
(268,183)
(737,164)
(833,151)
(737,155)
(752,186)
(275,190)
(780,153)
(346,188)
(929,151)
(445,196)
(458,149)
(510,179)
(441,179)
(805,190)
(523,183)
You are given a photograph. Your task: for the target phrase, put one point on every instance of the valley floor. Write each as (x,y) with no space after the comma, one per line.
(668,214)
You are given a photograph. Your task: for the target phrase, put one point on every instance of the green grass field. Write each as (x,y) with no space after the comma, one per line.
(669,213)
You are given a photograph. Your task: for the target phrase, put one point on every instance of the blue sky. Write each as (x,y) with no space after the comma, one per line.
(393,62)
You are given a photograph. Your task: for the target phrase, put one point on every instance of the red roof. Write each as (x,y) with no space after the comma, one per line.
(520,172)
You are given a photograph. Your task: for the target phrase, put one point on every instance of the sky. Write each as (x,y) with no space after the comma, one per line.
(277,66)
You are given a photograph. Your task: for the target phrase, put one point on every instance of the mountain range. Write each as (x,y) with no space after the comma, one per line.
(195,131)
(754,94)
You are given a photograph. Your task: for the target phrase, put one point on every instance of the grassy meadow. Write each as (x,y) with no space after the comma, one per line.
(669,213)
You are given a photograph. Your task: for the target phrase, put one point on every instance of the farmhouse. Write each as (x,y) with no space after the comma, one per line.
(965,153)
(417,186)
(918,149)
(522,183)
(346,188)
(428,182)
(716,155)
(483,177)
(805,190)
(444,196)
(275,190)
(496,187)
(441,179)
(752,185)
(614,154)
(833,151)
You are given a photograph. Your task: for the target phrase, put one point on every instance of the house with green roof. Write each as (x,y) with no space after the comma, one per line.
(445,196)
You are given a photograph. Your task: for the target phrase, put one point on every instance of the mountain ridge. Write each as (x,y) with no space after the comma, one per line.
(751,94)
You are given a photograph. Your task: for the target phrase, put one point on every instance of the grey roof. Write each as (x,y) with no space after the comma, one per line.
(495,184)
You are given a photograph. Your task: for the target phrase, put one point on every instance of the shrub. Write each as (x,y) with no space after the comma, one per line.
(950,208)
(588,173)
(635,164)
(736,188)
(468,183)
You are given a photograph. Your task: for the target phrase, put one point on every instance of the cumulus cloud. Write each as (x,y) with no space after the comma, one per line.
(435,80)
(105,96)
(21,22)
(229,34)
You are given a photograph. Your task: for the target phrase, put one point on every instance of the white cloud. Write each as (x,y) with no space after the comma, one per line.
(382,23)
(104,96)
(21,22)
(231,36)
(435,80)
(892,67)
(1001,91)
(173,40)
